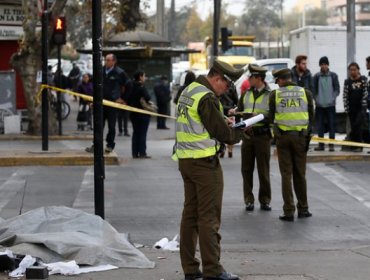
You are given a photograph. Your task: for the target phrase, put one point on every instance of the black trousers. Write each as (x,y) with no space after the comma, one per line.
(110,115)
(162,109)
(140,124)
(357,119)
(122,118)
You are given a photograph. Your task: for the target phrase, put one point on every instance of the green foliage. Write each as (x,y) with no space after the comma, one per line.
(261,16)
(316,17)
(117,16)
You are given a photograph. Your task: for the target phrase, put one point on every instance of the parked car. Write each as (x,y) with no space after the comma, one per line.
(271,64)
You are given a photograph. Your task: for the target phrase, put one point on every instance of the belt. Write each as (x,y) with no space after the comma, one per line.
(210,159)
(291,132)
(260,130)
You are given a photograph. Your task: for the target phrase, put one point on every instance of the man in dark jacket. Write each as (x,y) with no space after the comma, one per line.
(325,92)
(300,74)
(163,96)
(114,80)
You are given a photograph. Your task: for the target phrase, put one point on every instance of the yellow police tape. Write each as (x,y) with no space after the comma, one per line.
(105,102)
(339,142)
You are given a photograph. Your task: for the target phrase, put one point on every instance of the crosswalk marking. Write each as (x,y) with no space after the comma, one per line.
(11,187)
(345,183)
(86,191)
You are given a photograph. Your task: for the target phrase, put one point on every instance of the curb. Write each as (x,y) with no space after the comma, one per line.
(25,137)
(333,156)
(52,158)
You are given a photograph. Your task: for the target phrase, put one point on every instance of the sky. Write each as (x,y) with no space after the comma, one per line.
(235,7)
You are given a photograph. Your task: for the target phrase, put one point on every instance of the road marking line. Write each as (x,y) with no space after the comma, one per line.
(85,196)
(11,187)
(344,183)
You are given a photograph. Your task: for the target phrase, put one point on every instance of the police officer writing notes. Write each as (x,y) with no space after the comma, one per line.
(291,111)
(257,140)
(200,128)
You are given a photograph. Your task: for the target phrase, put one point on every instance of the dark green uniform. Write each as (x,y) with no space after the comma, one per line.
(256,147)
(291,138)
(202,175)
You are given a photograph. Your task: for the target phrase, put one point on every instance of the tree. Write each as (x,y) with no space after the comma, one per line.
(314,16)
(192,31)
(261,16)
(27,60)
(118,16)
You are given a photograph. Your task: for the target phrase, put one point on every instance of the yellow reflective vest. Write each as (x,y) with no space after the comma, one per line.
(192,139)
(259,106)
(291,108)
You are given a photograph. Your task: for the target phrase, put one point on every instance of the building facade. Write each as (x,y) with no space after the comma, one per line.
(338,12)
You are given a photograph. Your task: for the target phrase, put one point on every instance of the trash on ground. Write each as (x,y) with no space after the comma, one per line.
(167,245)
(72,268)
(23,265)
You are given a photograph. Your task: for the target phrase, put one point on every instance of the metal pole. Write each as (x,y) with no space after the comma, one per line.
(45,103)
(282,27)
(160,18)
(351,31)
(98,109)
(216,28)
(59,97)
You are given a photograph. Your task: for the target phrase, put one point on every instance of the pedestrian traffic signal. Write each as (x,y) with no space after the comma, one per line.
(225,42)
(60,31)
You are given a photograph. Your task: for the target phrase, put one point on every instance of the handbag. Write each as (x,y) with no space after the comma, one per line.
(148,105)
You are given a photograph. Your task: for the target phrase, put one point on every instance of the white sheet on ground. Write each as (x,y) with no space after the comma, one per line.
(58,233)
(72,268)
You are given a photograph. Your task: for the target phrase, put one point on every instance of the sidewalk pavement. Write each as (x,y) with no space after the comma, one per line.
(26,149)
(68,149)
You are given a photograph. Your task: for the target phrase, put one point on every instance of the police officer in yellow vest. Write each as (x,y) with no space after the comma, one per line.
(291,110)
(200,128)
(256,145)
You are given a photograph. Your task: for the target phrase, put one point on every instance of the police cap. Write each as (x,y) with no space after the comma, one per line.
(256,70)
(282,73)
(229,72)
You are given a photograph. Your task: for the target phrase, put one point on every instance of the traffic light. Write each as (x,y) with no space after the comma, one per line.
(60,31)
(225,42)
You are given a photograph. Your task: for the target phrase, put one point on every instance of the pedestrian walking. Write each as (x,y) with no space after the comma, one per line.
(74,77)
(200,128)
(84,110)
(140,122)
(326,89)
(114,80)
(291,111)
(189,78)
(256,146)
(355,97)
(163,95)
(300,74)
(368,93)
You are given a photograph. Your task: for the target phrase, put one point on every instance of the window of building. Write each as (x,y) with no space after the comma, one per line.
(365,8)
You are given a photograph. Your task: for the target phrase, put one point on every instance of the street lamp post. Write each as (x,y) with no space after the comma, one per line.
(351,31)
(282,27)
(216,28)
